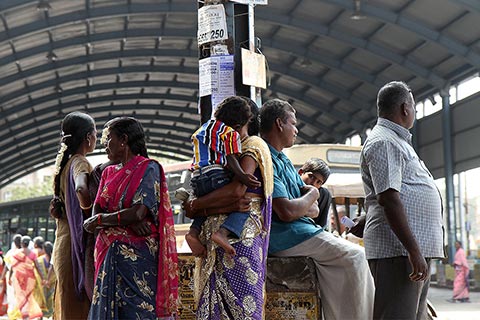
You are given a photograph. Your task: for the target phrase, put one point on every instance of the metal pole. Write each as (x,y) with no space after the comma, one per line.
(461,208)
(251,40)
(448,162)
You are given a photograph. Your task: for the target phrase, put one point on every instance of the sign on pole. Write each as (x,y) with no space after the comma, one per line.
(212,24)
(255,2)
(216,78)
(253,69)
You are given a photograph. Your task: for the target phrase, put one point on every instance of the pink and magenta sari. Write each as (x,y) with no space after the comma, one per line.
(135,277)
(460,284)
(23,282)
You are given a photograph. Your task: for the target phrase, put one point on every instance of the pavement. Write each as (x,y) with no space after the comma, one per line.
(454,311)
(446,310)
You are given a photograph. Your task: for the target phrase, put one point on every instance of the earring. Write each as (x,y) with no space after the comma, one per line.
(88,143)
(122,145)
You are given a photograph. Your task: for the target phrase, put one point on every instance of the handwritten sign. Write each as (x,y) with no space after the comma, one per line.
(212,24)
(253,69)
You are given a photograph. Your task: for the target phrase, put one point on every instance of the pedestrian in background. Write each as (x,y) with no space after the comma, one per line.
(3,285)
(462,271)
(45,281)
(23,282)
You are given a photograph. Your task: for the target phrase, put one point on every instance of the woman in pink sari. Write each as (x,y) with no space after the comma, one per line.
(460,284)
(136,274)
(23,281)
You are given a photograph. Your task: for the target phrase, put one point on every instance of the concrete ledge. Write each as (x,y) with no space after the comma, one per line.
(293,290)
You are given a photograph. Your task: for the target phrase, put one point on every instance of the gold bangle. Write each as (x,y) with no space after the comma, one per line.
(87,207)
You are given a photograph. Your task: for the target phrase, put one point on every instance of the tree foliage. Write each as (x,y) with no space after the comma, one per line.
(26,191)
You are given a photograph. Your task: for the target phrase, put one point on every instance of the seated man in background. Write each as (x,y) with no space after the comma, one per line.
(315,172)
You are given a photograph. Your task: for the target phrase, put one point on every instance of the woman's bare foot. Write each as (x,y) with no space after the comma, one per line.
(198,249)
(221,238)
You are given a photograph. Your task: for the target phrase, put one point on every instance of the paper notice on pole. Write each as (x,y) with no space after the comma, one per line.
(256,2)
(205,76)
(253,69)
(212,24)
(225,84)
(216,78)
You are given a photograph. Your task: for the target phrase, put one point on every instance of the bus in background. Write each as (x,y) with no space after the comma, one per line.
(177,175)
(345,181)
(344,163)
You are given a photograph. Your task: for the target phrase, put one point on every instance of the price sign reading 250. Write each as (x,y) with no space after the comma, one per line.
(212,35)
(212,24)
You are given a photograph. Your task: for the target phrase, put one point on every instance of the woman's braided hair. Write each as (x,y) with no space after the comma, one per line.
(75,128)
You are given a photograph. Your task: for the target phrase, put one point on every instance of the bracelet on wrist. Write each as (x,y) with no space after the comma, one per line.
(87,207)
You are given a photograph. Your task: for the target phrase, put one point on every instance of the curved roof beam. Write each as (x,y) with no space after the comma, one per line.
(108,71)
(295,23)
(24,168)
(52,139)
(353,99)
(108,98)
(95,13)
(96,37)
(316,105)
(25,150)
(450,44)
(333,89)
(13,142)
(278,45)
(83,60)
(471,5)
(106,12)
(51,83)
(100,87)
(133,33)
(96,72)
(80,60)
(313,27)
(105,86)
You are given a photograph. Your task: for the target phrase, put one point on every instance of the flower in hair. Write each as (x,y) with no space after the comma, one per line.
(59,158)
(105,133)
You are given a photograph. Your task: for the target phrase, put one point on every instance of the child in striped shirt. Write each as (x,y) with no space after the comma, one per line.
(216,147)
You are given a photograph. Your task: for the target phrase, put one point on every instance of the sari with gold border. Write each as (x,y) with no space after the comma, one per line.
(234,287)
(136,277)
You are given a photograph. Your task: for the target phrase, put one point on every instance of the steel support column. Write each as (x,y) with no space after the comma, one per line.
(448,160)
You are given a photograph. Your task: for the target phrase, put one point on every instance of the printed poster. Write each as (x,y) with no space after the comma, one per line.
(216,78)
